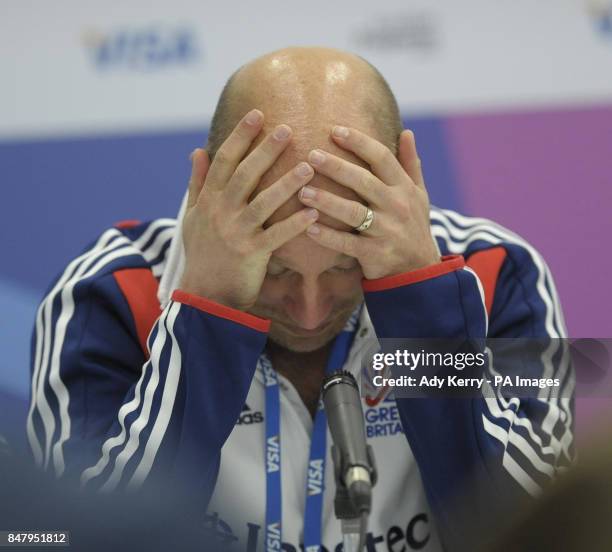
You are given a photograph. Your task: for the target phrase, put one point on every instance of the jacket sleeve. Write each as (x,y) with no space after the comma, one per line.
(509,447)
(110,415)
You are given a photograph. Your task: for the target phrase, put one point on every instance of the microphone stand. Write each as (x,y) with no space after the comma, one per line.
(354,465)
(353,521)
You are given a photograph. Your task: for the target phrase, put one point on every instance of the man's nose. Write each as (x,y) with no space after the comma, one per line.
(309,304)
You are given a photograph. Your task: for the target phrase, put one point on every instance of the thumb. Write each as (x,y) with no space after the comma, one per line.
(200,162)
(409,158)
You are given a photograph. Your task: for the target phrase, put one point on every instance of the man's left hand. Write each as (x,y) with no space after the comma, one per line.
(399,238)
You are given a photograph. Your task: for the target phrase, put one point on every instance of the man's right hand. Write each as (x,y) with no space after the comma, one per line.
(226,247)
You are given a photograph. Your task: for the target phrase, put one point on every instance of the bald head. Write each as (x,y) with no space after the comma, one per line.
(310,89)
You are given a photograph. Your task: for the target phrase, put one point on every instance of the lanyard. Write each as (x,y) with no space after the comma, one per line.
(318,449)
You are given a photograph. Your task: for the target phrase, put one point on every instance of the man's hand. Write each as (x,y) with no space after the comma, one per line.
(226,248)
(399,238)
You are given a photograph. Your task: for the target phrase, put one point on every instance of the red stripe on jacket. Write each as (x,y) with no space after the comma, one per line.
(124,224)
(139,287)
(487,264)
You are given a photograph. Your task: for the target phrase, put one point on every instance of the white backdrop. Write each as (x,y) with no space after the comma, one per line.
(73,66)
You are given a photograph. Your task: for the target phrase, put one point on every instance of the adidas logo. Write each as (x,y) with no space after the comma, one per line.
(248,416)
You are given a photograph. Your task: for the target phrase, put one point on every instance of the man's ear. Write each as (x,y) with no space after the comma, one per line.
(409,158)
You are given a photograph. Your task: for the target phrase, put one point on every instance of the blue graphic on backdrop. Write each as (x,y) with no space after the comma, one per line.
(144,49)
(601,12)
(20,304)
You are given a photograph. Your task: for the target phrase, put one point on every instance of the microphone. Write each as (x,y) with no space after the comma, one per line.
(355,468)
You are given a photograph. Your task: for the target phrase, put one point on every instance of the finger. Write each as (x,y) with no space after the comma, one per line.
(231,152)
(358,179)
(350,212)
(343,242)
(252,168)
(377,155)
(283,231)
(409,158)
(200,164)
(268,201)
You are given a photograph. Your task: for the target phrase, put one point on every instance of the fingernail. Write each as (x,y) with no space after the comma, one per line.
(312,213)
(282,132)
(192,154)
(313,229)
(303,169)
(340,132)
(254,117)
(308,193)
(316,157)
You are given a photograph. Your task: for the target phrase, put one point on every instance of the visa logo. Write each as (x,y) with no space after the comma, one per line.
(315,477)
(143,49)
(273,454)
(270,377)
(273,539)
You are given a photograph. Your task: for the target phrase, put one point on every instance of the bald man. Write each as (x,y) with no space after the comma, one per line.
(306,235)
